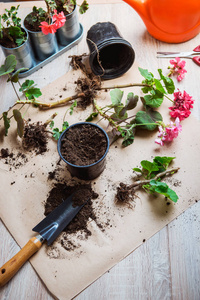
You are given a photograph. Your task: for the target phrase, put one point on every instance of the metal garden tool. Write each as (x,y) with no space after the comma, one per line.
(49,228)
(194,55)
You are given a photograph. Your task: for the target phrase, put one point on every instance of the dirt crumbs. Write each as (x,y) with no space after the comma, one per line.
(87,86)
(12,159)
(79,225)
(83,145)
(35,138)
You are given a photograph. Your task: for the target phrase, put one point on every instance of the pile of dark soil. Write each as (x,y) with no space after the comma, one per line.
(35,138)
(83,145)
(35,26)
(60,192)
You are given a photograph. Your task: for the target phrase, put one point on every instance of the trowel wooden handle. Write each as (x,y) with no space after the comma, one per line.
(9,269)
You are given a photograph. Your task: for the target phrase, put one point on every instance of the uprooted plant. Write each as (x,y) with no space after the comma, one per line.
(154,90)
(150,175)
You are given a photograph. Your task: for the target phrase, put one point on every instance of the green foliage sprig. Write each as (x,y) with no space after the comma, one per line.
(152,172)
(149,118)
(10,27)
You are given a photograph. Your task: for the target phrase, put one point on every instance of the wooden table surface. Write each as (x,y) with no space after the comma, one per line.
(167,266)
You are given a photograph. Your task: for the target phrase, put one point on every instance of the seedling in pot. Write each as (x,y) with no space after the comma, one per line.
(12,34)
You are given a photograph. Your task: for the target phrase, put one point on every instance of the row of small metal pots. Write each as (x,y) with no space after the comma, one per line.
(39,46)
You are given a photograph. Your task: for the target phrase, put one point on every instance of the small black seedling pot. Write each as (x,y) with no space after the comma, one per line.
(85,172)
(110,55)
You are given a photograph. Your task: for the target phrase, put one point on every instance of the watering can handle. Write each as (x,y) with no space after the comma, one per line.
(10,268)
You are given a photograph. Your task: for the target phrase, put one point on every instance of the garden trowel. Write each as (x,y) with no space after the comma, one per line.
(49,228)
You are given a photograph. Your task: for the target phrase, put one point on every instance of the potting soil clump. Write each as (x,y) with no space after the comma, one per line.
(81,193)
(83,145)
(35,138)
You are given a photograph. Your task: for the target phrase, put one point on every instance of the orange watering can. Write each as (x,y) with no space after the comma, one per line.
(171,21)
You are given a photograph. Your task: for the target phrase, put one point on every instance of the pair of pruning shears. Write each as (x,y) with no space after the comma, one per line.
(194,55)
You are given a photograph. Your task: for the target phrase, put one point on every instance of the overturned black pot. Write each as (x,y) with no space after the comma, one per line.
(110,55)
(83,147)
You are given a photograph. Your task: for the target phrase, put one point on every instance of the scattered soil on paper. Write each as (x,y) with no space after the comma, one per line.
(83,192)
(12,159)
(83,145)
(35,138)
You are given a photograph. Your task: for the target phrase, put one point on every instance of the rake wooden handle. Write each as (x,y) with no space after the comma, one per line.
(10,268)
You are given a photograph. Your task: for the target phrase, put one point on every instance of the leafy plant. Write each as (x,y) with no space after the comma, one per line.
(56,132)
(152,172)
(148,119)
(69,6)
(10,28)
(28,89)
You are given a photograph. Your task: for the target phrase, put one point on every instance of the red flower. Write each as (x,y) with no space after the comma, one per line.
(59,19)
(46,28)
(182,105)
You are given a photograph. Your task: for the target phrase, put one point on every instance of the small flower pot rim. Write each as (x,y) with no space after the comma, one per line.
(77,124)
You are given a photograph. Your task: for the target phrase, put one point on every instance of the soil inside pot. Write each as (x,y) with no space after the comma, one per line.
(83,145)
(6,42)
(35,26)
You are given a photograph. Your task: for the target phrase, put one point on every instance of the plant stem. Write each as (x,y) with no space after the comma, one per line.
(159,175)
(110,120)
(123,86)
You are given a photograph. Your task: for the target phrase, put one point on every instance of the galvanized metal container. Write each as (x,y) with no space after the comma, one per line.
(43,45)
(24,54)
(70,30)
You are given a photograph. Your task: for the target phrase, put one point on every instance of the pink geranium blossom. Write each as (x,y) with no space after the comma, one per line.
(178,68)
(168,132)
(58,19)
(46,28)
(182,105)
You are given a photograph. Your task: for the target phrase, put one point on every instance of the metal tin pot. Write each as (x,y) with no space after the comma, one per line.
(44,45)
(70,30)
(110,55)
(23,54)
(86,172)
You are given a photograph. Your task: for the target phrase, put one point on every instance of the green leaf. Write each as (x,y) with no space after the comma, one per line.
(33,93)
(74,104)
(149,167)
(168,82)
(92,116)
(56,133)
(14,77)
(9,66)
(148,118)
(84,7)
(163,161)
(26,85)
(163,189)
(131,101)
(137,170)
(159,86)
(116,96)
(20,122)
(154,100)
(6,122)
(128,135)
(146,74)
(65,125)
(51,125)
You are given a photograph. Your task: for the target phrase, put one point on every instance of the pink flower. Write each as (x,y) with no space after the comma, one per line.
(182,105)
(59,19)
(168,132)
(46,28)
(178,68)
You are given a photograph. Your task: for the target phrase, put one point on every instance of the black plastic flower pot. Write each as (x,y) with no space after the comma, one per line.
(83,147)
(110,55)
